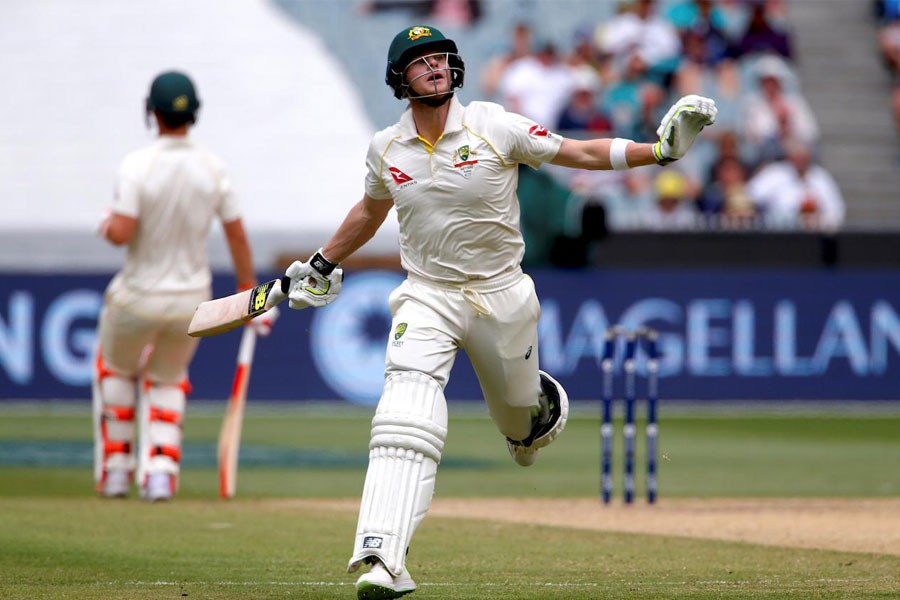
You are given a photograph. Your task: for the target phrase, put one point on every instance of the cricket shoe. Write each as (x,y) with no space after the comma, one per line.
(549,423)
(116,484)
(158,487)
(379,584)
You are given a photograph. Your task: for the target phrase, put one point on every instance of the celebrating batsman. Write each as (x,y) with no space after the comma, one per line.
(451,172)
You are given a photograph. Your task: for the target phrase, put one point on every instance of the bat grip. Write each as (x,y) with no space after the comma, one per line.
(278,292)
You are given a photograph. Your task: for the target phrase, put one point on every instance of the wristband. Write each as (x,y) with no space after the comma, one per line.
(617,154)
(322,264)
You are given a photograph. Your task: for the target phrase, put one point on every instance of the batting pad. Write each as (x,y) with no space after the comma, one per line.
(113,404)
(161,414)
(408,434)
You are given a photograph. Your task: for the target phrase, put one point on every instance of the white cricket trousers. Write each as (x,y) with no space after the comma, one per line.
(131,321)
(494,321)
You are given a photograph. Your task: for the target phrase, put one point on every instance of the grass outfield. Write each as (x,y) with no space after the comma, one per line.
(279,540)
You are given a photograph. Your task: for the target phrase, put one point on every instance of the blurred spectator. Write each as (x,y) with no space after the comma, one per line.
(585,59)
(520,47)
(538,86)
(639,37)
(729,145)
(457,13)
(708,150)
(726,195)
(797,192)
(632,102)
(773,113)
(710,74)
(766,31)
(584,49)
(732,16)
(674,208)
(583,112)
(706,20)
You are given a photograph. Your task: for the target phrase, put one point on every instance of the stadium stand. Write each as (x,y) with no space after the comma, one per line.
(858,148)
(849,91)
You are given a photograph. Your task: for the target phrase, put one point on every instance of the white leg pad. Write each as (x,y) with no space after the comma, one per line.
(113,405)
(408,434)
(161,415)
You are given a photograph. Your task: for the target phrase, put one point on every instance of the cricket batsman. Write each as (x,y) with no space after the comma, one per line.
(167,196)
(450,171)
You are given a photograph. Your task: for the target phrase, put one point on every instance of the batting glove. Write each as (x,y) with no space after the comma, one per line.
(314,283)
(262,324)
(684,121)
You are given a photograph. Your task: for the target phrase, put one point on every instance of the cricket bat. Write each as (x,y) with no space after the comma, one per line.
(230,433)
(229,312)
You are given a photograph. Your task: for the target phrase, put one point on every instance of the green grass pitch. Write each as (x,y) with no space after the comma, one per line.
(57,540)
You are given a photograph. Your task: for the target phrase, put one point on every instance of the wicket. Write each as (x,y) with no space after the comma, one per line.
(633,339)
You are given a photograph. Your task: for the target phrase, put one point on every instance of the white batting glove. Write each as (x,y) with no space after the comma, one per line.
(314,283)
(681,125)
(262,324)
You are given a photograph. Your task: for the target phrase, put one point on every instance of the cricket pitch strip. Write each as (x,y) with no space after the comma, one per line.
(843,524)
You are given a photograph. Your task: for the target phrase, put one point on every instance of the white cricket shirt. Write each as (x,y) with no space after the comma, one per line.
(174,188)
(456,201)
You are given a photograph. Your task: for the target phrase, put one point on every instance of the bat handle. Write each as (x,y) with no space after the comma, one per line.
(278,292)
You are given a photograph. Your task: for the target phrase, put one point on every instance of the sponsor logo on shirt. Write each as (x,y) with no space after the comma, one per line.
(538,131)
(400,178)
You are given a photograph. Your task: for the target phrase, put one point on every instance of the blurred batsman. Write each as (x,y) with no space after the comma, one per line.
(451,172)
(167,196)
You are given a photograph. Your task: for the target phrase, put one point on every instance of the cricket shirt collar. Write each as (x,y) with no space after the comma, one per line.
(454,122)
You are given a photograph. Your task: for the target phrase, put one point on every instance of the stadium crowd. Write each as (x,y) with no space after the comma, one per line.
(755,169)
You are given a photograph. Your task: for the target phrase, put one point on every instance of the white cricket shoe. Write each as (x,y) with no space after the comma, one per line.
(550,422)
(117,484)
(158,487)
(379,584)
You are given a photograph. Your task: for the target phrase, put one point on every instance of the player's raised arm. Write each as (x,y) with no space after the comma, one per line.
(677,131)
(597,155)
